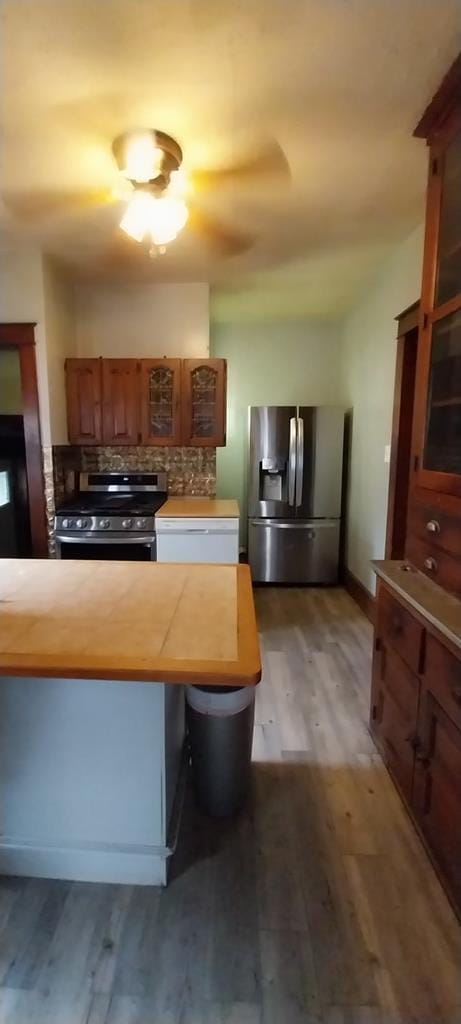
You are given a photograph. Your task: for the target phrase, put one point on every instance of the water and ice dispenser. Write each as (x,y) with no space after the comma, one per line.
(273,480)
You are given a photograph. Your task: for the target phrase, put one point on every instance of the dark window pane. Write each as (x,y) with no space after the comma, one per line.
(443,435)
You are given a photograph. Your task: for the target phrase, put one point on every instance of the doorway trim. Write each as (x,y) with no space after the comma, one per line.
(22,337)
(402,422)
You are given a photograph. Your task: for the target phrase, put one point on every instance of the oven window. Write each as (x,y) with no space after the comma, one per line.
(107,552)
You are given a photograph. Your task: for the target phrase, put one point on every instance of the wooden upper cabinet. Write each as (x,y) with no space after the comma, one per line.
(146,401)
(160,401)
(437,421)
(120,401)
(204,402)
(84,400)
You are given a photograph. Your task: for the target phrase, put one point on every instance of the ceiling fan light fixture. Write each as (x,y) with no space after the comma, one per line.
(147,155)
(135,220)
(168,219)
(143,159)
(160,218)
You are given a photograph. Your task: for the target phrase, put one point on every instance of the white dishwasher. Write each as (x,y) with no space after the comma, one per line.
(183,539)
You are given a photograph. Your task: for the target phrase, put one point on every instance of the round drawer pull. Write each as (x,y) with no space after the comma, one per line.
(430,564)
(433,526)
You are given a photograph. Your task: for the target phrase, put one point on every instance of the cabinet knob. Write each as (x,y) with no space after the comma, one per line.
(433,526)
(422,758)
(414,741)
(430,564)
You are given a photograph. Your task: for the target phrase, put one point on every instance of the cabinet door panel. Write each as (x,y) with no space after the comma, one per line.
(397,627)
(204,398)
(84,394)
(121,401)
(394,713)
(161,401)
(437,789)
(442,674)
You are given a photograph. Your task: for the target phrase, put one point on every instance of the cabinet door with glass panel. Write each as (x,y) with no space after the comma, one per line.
(161,401)
(438,400)
(204,402)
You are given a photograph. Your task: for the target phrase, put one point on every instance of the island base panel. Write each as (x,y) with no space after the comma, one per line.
(88,772)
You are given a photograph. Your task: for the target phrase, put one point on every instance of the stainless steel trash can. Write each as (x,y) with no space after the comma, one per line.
(220,724)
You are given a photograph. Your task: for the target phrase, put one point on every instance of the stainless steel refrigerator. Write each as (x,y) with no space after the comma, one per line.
(294,493)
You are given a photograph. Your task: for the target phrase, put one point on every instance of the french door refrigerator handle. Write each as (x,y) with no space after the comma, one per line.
(292,462)
(300,463)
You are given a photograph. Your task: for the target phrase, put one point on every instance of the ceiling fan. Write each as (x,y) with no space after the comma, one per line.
(161,198)
(150,160)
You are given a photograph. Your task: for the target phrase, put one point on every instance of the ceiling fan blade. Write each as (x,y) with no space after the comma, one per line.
(268,162)
(36,205)
(222,239)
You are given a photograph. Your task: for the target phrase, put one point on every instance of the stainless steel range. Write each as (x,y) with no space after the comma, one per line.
(110,516)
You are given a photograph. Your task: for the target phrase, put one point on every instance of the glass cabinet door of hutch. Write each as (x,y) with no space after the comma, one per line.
(437,424)
(442,451)
(448,281)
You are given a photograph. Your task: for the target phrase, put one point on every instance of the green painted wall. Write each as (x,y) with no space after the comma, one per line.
(10,383)
(367,382)
(281,363)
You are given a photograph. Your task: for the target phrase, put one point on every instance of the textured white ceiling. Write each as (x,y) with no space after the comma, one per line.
(339,84)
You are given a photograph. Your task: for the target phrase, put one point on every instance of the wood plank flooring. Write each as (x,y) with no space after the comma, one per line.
(316,906)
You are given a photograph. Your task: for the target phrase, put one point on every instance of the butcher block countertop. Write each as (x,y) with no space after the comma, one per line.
(128,620)
(199,508)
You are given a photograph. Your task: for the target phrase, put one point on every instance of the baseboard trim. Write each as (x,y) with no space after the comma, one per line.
(360,594)
(119,865)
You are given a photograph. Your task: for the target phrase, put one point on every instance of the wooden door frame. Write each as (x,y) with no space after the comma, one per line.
(22,337)
(402,421)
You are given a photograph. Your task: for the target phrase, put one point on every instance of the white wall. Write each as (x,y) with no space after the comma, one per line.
(142,320)
(22,301)
(276,363)
(367,385)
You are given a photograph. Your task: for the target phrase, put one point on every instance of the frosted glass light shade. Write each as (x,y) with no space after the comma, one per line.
(161,218)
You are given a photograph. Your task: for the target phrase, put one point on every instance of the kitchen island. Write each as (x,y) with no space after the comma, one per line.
(90,751)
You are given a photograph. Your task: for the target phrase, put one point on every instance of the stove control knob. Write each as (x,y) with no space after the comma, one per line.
(67,524)
(140,524)
(81,524)
(127,524)
(104,524)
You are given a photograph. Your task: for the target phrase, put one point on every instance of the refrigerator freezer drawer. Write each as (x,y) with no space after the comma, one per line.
(293,551)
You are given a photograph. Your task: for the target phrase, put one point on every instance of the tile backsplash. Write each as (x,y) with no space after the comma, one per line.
(189,470)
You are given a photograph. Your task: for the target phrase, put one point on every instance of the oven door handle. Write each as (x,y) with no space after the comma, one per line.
(85,538)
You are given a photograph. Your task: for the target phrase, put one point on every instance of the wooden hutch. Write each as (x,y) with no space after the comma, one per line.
(416,686)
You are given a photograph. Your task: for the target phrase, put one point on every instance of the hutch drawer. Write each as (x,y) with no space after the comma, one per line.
(435,526)
(444,569)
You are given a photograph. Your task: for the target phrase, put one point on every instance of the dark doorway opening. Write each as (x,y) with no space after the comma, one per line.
(15,538)
(402,423)
(22,496)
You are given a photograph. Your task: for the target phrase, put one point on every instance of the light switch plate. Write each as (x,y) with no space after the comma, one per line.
(387,453)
